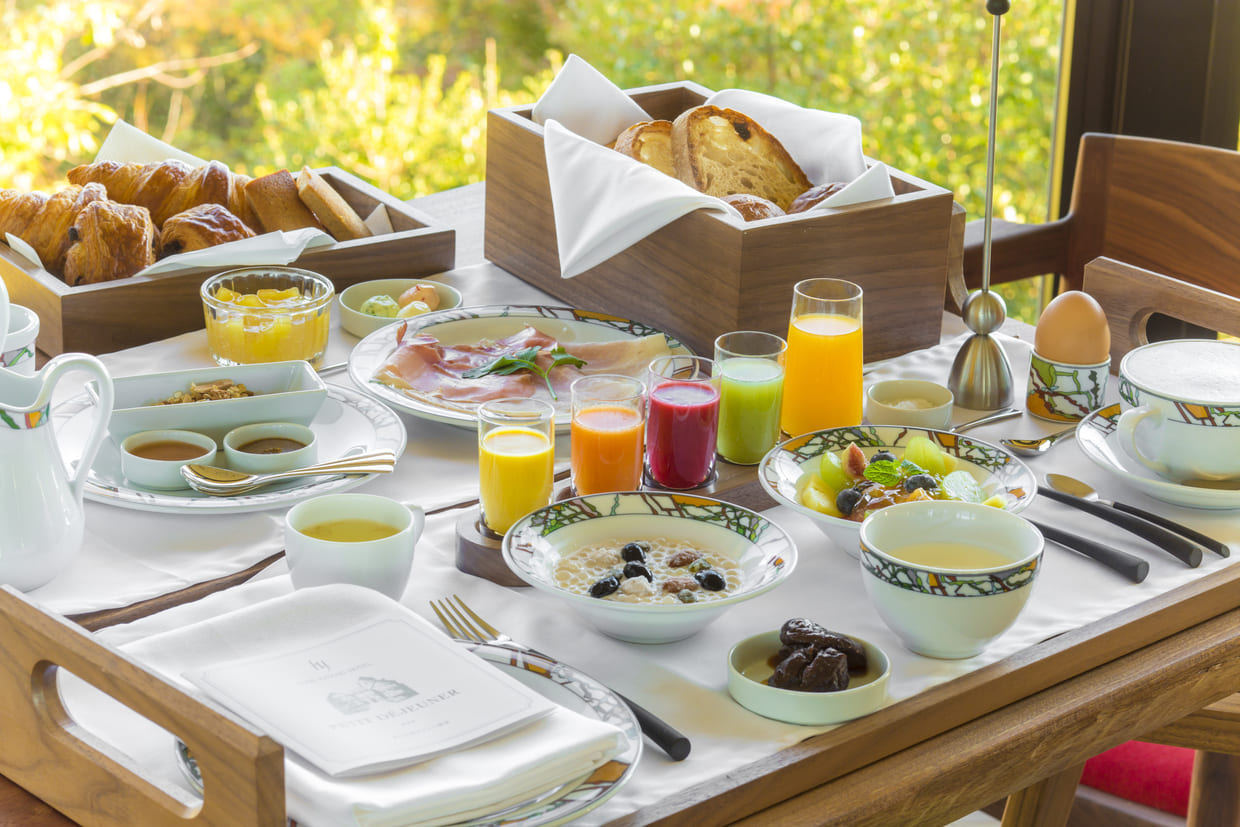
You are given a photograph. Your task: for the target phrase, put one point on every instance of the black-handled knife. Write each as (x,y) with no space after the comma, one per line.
(1129,565)
(663,734)
(1217,546)
(1175,544)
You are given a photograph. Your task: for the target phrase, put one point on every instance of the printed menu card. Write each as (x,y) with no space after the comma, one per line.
(375,696)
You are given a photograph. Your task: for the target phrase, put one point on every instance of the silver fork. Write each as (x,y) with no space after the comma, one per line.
(464,623)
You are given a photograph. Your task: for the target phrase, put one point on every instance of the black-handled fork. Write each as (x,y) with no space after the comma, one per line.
(1177,545)
(464,623)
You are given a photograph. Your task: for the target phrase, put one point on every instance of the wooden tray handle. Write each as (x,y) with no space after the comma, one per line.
(1131,295)
(47,753)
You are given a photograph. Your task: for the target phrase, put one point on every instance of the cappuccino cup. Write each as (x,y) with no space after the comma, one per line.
(1181,408)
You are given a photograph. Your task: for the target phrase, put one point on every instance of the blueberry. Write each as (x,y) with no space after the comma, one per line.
(920,481)
(847,500)
(883,455)
(634,552)
(711,580)
(604,586)
(638,570)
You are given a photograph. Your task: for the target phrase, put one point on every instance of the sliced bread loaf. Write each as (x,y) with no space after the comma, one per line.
(722,151)
(649,142)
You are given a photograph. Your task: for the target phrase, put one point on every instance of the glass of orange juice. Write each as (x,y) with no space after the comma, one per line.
(608,433)
(822,367)
(516,452)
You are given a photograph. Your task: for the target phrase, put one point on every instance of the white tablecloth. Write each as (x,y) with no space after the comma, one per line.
(684,682)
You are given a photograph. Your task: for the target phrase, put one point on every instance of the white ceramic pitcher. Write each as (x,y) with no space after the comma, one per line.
(41,516)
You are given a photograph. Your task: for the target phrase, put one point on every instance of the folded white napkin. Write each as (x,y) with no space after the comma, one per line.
(455,786)
(605,203)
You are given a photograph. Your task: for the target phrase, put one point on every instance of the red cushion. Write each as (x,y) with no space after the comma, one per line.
(1150,774)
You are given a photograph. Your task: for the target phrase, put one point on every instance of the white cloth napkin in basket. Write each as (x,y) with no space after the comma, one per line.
(605,202)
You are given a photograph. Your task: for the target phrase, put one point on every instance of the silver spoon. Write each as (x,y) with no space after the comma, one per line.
(1078,488)
(223,482)
(998,416)
(1036,447)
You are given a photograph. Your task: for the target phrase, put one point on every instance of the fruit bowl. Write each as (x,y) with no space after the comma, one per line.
(790,467)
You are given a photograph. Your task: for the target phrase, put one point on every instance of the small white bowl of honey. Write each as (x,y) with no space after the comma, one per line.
(270,447)
(153,459)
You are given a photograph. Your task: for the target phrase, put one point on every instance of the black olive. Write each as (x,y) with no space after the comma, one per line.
(634,552)
(920,481)
(847,500)
(711,580)
(604,586)
(638,570)
(883,455)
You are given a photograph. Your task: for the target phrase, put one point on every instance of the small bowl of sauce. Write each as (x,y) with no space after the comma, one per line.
(153,459)
(267,447)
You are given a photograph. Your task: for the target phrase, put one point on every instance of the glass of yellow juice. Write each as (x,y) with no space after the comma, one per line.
(516,455)
(822,367)
(267,314)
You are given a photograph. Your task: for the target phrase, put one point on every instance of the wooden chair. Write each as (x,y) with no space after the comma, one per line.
(1131,297)
(1168,207)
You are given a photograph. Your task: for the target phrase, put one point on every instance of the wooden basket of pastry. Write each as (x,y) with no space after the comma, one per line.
(737,272)
(112,220)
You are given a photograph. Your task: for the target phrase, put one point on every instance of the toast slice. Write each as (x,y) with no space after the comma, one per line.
(329,206)
(649,142)
(721,152)
(276,205)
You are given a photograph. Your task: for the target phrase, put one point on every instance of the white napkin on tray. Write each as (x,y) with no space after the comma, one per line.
(452,787)
(605,202)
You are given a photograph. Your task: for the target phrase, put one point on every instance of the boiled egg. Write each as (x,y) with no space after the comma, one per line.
(1073,330)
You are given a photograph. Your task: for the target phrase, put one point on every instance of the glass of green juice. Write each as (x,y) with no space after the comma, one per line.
(750,367)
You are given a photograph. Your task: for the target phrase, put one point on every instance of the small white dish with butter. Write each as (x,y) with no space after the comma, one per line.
(913,402)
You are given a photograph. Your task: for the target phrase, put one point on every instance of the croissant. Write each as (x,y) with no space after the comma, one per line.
(169,187)
(109,241)
(43,221)
(202,226)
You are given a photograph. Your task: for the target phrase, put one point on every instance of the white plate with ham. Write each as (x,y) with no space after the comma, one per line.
(442,365)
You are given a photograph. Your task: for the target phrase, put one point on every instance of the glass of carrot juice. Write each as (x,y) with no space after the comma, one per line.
(608,432)
(516,452)
(822,368)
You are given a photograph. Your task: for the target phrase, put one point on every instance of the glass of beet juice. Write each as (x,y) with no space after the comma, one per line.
(682,421)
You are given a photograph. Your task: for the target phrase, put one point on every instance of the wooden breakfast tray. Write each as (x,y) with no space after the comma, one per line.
(48,754)
(99,318)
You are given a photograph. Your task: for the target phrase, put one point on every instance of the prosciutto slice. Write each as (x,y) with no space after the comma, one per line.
(421,365)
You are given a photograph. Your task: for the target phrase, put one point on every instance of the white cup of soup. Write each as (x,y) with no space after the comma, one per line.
(1181,401)
(361,539)
(270,447)
(153,459)
(948,577)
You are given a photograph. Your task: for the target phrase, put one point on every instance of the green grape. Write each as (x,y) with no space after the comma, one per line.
(832,472)
(926,453)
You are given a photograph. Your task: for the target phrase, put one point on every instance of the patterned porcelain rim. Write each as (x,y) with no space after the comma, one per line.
(567,802)
(947,583)
(523,541)
(388,434)
(781,467)
(1193,413)
(371,352)
(1096,438)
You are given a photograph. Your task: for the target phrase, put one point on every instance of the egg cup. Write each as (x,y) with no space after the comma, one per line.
(1063,392)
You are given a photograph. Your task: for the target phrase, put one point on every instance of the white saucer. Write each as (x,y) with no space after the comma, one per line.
(349,423)
(1096,436)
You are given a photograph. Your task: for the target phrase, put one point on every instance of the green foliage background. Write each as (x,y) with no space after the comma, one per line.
(397,90)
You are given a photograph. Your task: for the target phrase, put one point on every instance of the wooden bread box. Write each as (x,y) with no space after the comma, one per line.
(99,318)
(707,273)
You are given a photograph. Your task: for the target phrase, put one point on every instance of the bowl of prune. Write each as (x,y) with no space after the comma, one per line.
(649,567)
(806,673)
